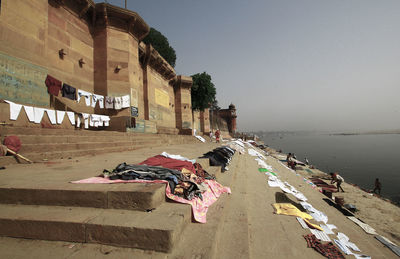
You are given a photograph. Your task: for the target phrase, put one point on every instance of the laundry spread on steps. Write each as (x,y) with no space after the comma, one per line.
(186,181)
(318,233)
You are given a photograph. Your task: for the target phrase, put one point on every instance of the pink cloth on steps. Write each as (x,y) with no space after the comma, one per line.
(199,207)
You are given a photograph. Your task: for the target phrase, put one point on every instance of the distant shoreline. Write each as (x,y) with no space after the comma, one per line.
(366,133)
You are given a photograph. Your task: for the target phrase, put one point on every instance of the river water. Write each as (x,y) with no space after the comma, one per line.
(359,159)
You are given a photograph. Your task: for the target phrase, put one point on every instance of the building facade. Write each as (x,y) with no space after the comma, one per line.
(97,49)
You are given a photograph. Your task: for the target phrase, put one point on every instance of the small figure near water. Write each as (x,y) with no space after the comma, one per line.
(377,186)
(305,159)
(336,178)
(290,162)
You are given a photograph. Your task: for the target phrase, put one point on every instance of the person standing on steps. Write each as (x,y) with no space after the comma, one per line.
(336,178)
(217,135)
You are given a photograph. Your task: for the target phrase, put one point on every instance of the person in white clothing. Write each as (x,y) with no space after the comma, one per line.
(336,178)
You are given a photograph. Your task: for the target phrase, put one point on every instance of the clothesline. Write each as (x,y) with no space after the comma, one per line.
(54,86)
(35,115)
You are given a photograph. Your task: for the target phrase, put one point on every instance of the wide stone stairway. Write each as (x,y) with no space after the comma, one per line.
(39,202)
(41,144)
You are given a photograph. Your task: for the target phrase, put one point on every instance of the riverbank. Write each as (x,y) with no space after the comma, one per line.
(379,212)
(243,224)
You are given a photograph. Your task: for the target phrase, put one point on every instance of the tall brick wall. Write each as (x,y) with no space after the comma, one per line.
(104,37)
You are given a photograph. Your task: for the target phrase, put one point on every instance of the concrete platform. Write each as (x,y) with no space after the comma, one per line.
(152,231)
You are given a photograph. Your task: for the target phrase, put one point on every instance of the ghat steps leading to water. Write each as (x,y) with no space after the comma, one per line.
(41,144)
(124,215)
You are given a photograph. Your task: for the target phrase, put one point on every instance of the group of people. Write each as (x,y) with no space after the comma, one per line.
(217,136)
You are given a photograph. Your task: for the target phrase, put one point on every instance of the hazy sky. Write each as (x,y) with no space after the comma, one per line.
(290,65)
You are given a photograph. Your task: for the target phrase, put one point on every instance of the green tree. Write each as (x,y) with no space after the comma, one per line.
(161,44)
(203,91)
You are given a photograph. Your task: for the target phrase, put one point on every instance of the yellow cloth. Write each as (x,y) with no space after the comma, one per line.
(311,225)
(290,209)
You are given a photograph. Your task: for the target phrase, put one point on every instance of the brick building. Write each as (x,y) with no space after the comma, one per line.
(95,48)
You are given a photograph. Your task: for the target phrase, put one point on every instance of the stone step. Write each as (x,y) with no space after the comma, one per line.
(10,130)
(47,147)
(44,154)
(138,196)
(34,139)
(157,230)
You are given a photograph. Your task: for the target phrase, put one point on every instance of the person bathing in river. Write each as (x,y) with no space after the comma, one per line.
(377,186)
(336,178)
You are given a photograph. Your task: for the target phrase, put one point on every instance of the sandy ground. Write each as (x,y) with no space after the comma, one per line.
(239,225)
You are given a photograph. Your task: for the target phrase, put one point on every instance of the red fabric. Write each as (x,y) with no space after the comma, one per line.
(53,85)
(169,163)
(13,143)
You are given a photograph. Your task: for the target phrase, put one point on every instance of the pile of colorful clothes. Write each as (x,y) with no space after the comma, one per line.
(185,178)
(186,181)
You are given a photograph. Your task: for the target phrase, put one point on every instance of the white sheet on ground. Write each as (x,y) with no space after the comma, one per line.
(178,157)
(367,228)
(320,235)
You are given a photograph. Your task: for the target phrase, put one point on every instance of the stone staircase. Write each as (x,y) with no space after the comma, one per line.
(47,207)
(41,144)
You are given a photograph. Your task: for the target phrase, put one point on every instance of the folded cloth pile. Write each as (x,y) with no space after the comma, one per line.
(220,156)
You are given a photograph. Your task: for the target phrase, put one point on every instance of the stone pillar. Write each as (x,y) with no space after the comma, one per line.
(183,104)
(205,120)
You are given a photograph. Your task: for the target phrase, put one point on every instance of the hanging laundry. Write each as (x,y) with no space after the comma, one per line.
(99,98)
(52,116)
(68,92)
(109,102)
(125,101)
(60,116)
(15,109)
(104,119)
(78,121)
(53,85)
(117,103)
(94,120)
(85,94)
(71,117)
(85,117)
(29,112)
(38,114)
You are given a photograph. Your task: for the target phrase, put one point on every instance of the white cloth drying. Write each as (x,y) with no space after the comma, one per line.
(109,102)
(15,109)
(126,102)
(52,116)
(104,119)
(60,116)
(84,94)
(38,114)
(117,103)
(29,113)
(85,117)
(99,98)
(71,117)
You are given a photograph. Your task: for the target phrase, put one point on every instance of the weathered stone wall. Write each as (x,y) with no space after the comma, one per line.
(197,122)
(161,100)
(23,36)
